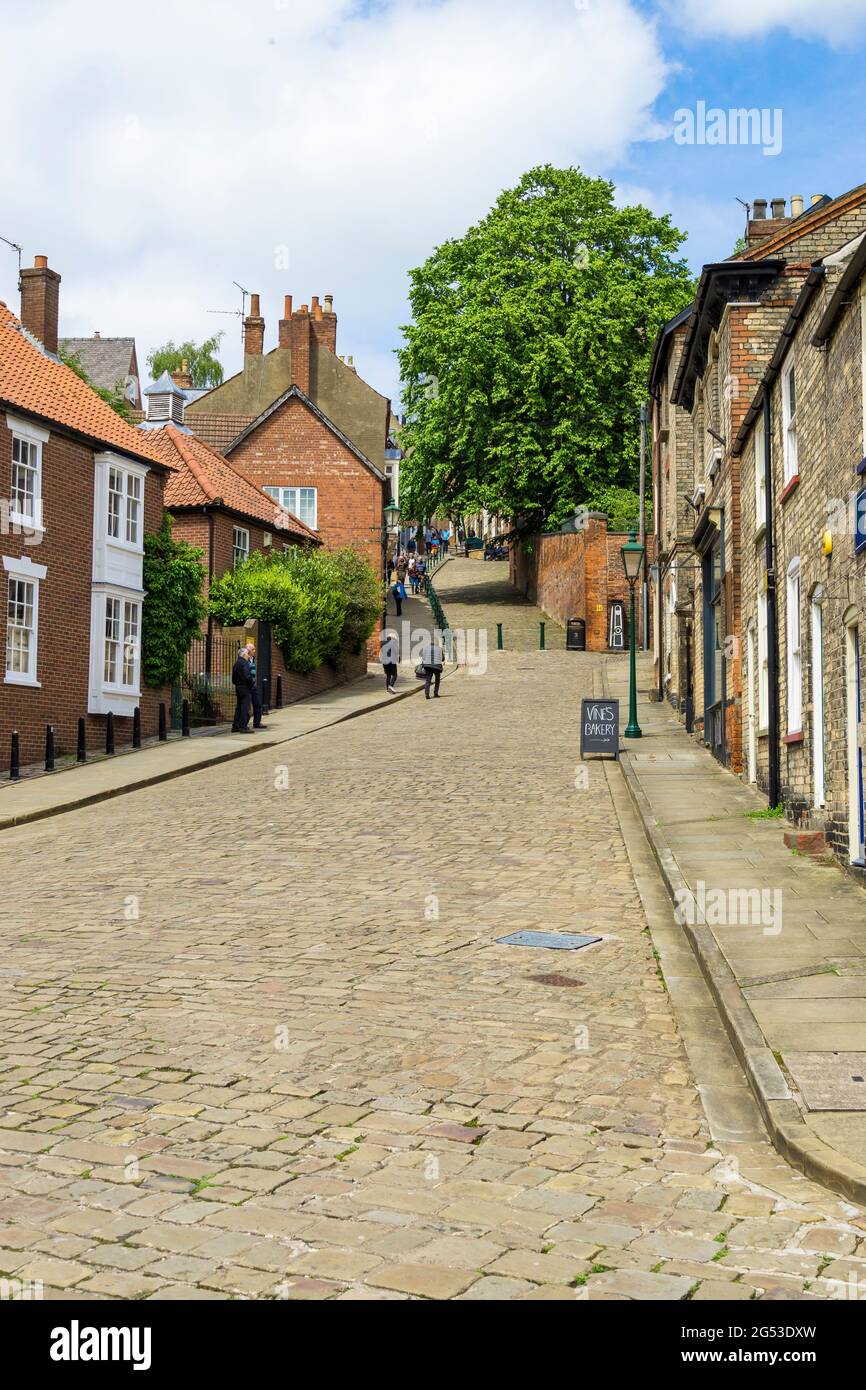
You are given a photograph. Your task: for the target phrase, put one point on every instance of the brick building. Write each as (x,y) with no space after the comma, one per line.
(302,425)
(81,488)
(220,512)
(802,448)
(705,373)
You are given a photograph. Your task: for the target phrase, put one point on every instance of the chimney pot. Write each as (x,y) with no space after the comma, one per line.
(287,307)
(329,304)
(796,204)
(305,309)
(40,263)
(778,206)
(254,306)
(759,209)
(254,329)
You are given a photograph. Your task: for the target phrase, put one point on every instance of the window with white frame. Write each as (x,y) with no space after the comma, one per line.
(763,663)
(22,618)
(300,501)
(789,422)
(26,494)
(124,506)
(121,649)
(760,479)
(240,545)
(795,663)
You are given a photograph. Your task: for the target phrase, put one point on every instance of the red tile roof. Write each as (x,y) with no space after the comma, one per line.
(200,476)
(37,384)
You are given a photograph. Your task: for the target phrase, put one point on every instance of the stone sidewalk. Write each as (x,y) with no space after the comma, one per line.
(782,944)
(477,594)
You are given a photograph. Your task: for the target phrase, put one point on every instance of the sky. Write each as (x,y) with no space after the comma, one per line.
(158,152)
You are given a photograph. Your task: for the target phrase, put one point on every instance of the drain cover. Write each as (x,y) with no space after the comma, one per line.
(553,941)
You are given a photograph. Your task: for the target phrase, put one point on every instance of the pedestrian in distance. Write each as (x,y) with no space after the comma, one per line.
(243,682)
(432,660)
(389,652)
(402,568)
(399,593)
(413,573)
(254,694)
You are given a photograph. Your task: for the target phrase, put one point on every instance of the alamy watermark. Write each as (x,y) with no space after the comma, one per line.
(725,907)
(736,126)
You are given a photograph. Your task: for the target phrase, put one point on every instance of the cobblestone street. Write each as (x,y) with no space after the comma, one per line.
(258,1038)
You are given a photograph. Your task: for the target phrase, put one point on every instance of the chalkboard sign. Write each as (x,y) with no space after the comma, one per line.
(599,727)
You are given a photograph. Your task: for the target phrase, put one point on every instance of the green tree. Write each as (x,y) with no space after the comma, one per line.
(525,363)
(321,604)
(116,397)
(173,604)
(205,367)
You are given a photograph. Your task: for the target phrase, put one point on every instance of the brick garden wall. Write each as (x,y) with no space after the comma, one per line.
(576,575)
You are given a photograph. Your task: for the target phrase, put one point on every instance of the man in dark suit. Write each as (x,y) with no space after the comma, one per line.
(243,682)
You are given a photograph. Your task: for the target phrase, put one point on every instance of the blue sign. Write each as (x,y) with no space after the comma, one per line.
(860,522)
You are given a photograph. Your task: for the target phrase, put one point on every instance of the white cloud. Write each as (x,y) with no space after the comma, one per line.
(833,20)
(158,152)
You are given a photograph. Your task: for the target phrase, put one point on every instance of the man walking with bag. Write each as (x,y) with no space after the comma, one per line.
(432,659)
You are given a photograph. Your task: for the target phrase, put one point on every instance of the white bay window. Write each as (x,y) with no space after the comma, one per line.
(118,590)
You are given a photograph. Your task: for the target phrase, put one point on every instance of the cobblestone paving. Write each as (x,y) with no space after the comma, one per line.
(258,1039)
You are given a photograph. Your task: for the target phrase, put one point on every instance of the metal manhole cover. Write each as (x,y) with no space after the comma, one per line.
(563,981)
(829,1080)
(552,941)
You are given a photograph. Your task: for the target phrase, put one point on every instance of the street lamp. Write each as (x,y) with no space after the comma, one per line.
(632,560)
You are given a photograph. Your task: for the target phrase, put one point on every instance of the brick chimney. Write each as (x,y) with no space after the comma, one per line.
(40,302)
(285,324)
(325,323)
(300,345)
(760,226)
(182,377)
(254,330)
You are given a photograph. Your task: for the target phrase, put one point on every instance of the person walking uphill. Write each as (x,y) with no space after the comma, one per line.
(389,655)
(432,659)
(243,682)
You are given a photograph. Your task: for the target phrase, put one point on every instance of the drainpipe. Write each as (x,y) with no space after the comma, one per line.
(660,501)
(644,608)
(772,619)
(208,646)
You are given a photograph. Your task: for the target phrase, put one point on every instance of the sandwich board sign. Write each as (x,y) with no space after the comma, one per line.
(599,727)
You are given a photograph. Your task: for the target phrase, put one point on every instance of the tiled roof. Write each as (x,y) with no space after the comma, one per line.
(216,429)
(200,476)
(105,360)
(33,381)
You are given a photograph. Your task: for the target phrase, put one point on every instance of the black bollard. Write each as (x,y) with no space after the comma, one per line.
(82,740)
(109,733)
(266,694)
(163,732)
(279,704)
(184,725)
(14,770)
(136,727)
(49,747)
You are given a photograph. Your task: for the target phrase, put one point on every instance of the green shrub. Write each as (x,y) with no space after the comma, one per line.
(321,605)
(173,605)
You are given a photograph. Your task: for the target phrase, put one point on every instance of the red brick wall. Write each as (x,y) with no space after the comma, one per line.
(577,575)
(63,653)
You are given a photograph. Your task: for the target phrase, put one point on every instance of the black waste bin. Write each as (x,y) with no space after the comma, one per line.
(575,635)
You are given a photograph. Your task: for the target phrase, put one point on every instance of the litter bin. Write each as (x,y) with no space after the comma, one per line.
(575,635)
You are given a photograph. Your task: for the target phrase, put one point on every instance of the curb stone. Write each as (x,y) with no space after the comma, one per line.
(788,1131)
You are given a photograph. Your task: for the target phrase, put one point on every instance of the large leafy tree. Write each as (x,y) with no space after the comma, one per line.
(205,367)
(525,362)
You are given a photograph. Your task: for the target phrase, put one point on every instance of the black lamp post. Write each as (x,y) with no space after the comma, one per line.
(632,561)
